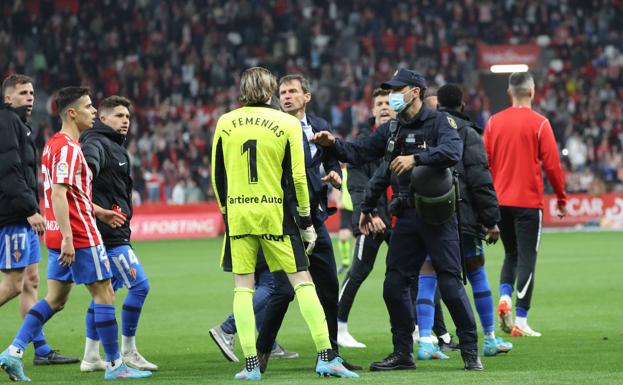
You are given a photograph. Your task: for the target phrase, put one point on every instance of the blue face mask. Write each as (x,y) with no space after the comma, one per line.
(397,102)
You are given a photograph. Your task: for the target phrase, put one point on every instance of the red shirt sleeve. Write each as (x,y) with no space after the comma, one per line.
(63,165)
(548,154)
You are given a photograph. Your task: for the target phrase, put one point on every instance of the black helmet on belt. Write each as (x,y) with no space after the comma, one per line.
(433,193)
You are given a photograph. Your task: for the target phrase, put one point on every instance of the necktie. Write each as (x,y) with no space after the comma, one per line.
(306,148)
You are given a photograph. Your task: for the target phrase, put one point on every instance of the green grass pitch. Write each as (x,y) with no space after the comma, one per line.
(577,306)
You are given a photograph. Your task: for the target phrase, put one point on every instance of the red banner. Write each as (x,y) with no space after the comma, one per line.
(489,55)
(160,221)
(605,211)
(153,221)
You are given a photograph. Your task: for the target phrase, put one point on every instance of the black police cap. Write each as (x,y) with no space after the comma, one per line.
(404,77)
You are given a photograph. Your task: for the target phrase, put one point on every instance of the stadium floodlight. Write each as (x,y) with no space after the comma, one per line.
(508,68)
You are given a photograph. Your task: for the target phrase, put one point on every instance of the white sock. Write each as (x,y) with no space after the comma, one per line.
(115,364)
(128,344)
(428,339)
(446,338)
(490,335)
(521,322)
(507,299)
(342,327)
(14,351)
(91,350)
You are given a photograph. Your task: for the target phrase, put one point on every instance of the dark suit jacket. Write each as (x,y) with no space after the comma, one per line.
(317,189)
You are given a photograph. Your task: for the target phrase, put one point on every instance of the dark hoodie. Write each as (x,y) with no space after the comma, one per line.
(112,184)
(18,168)
(479,203)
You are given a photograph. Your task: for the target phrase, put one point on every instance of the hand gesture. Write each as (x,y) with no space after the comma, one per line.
(377,225)
(370,224)
(323,138)
(402,164)
(309,237)
(37,222)
(333,178)
(112,218)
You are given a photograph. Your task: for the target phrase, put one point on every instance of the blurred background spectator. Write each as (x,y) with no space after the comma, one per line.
(180,61)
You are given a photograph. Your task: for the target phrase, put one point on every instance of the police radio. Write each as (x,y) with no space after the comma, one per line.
(390,148)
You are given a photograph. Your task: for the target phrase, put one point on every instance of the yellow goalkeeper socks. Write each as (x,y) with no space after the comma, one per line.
(312,312)
(245,319)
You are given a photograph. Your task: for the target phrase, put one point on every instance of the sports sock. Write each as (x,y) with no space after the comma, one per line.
(425,304)
(107,329)
(90,321)
(520,312)
(506,289)
(346,249)
(41,346)
(128,344)
(342,327)
(38,315)
(428,339)
(91,350)
(251,363)
(482,298)
(131,312)
(92,343)
(521,322)
(445,338)
(326,355)
(14,351)
(312,312)
(114,364)
(245,320)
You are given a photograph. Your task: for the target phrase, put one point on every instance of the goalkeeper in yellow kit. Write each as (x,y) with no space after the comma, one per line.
(258,175)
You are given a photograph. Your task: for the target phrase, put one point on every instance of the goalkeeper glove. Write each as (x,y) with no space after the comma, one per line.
(308,233)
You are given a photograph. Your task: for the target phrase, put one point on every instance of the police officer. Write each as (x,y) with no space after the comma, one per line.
(419,137)
(366,247)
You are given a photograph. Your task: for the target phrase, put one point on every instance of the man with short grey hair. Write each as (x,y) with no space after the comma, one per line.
(519,141)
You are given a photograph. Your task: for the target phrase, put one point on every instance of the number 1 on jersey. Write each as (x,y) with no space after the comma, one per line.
(250,146)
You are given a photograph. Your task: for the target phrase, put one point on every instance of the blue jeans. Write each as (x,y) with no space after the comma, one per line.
(264,285)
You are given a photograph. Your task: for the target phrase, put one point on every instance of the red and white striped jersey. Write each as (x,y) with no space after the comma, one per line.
(62,162)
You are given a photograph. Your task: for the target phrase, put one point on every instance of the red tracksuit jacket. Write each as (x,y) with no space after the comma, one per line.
(518,141)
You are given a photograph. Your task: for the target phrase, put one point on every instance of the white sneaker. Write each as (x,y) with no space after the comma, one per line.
(524,331)
(96,366)
(225,342)
(345,340)
(134,360)
(505,315)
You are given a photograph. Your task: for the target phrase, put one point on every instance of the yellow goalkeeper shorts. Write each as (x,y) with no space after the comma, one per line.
(282,252)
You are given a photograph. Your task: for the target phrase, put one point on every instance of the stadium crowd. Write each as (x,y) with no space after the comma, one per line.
(184,73)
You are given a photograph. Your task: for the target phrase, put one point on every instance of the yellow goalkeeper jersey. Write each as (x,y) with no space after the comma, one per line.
(257,155)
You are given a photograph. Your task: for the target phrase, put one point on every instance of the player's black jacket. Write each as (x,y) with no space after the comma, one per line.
(18,168)
(112,184)
(358,178)
(479,203)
